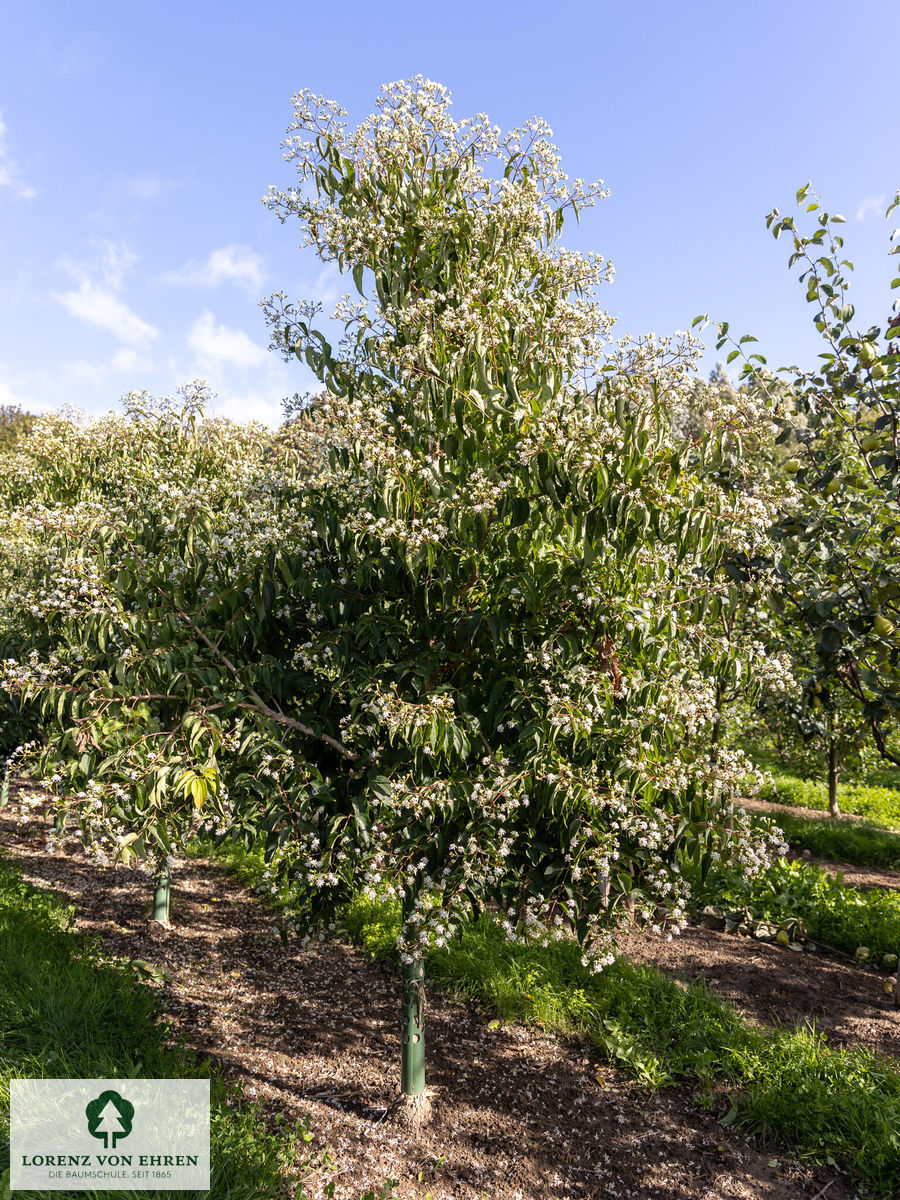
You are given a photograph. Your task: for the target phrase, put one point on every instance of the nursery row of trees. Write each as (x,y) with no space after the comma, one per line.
(471,626)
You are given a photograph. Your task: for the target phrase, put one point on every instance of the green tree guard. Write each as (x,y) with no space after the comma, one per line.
(412,1058)
(161,890)
(4,786)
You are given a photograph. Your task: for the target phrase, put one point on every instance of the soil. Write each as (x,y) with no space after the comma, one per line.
(516,1114)
(773,985)
(754,804)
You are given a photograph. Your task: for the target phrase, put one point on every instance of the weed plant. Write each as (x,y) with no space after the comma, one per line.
(838,916)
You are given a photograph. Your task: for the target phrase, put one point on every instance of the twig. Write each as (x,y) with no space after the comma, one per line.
(823,1190)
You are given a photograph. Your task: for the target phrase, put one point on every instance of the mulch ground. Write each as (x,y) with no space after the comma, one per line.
(517,1115)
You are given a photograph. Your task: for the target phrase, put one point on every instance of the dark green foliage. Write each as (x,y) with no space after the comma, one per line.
(838,581)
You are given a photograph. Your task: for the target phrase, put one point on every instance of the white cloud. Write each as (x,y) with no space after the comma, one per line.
(97,303)
(226,264)
(12,399)
(250,406)
(871,204)
(10,173)
(328,287)
(215,344)
(145,187)
(101,307)
(126,359)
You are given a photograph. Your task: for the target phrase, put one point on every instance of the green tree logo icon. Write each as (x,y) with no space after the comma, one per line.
(109,1116)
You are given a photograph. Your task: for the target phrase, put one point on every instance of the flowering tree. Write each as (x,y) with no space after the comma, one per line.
(506,605)
(447,635)
(111,532)
(757,662)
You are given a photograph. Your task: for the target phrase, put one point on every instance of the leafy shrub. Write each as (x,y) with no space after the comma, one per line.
(841,917)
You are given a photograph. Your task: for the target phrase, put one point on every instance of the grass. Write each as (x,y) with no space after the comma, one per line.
(787,1085)
(883,774)
(838,916)
(65,1014)
(860,843)
(880,804)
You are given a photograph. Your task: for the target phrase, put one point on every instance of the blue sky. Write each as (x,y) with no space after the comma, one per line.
(137,141)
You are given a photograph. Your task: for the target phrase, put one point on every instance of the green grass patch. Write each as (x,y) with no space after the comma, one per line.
(880,804)
(838,916)
(882,774)
(788,1085)
(64,1014)
(858,842)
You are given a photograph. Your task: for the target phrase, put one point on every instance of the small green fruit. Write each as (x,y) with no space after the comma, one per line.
(792,466)
(832,486)
(881,626)
(871,442)
(867,354)
(878,371)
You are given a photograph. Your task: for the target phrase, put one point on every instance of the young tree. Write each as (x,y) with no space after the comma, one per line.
(837,560)
(514,561)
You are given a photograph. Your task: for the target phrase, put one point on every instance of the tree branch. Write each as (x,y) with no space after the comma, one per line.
(258,703)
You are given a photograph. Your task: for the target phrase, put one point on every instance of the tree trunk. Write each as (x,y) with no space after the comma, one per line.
(161,893)
(833,771)
(412,1025)
(716,735)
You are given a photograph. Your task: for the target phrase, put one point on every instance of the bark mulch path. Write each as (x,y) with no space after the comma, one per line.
(773,985)
(517,1115)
